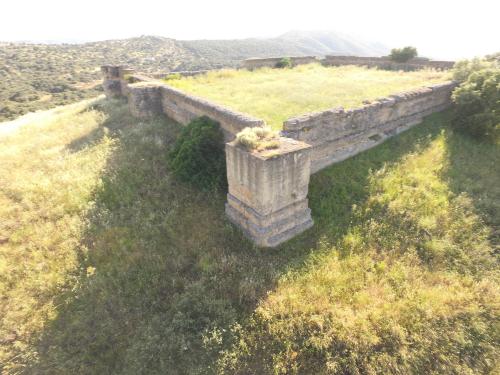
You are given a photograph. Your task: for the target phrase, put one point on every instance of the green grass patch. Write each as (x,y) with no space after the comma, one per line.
(110,265)
(276,95)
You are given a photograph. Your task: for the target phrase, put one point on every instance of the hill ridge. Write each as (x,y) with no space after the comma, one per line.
(37,76)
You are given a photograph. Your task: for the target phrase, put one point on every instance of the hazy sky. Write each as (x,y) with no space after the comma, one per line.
(440,29)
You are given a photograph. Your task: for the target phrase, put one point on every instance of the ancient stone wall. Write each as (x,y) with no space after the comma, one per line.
(267,195)
(183,108)
(111,80)
(117,78)
(268,189)
(386,63)
(372,62)
(148,97)
(144,99)
(271,62)
(337,134)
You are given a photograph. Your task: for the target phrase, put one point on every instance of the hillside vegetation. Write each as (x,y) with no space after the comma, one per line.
(109,265)
(276,95)
(38,76)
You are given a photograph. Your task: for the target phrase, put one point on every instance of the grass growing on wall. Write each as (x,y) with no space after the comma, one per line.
(109,265)
(276,95)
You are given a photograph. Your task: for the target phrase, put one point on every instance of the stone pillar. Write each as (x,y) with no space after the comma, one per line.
(268,189)
(144,99)
(125,79)
(115,80)
(111,81)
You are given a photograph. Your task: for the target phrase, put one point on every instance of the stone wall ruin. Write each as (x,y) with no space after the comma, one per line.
(267,190)
(337,134)
(371,62)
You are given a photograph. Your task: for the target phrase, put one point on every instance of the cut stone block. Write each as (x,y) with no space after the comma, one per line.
(114,80)
(144,99)
(111,81)
(268,189)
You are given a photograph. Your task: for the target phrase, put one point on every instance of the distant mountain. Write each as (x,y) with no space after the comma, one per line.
(334,43)
(293,43)
(39,76)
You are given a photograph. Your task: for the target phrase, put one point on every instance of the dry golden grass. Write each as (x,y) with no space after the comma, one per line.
(46,189)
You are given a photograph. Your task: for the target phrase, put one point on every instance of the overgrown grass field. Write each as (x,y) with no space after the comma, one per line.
(109,265)
(276,95)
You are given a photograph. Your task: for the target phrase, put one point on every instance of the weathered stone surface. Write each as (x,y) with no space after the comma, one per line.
(142,92)
(111,81)
(112,88)
(337,133)
(125,79)
(144,99)
(115,80)
(268,191)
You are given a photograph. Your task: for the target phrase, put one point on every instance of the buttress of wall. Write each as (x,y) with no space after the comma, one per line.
(338,134)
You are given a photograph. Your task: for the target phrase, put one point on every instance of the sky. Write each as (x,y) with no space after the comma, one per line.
(438,28)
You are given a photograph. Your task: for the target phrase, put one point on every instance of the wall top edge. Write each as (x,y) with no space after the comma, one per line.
(373,104)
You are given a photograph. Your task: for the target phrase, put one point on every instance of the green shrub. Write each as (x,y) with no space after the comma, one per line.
(477,100)
(403,54)
(129,78)
(285,62)
(198,155)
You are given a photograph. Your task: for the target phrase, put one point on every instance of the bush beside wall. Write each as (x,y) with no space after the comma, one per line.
(477,99)
(198,156)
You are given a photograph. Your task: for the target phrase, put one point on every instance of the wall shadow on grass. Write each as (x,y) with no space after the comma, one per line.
(335,190)
(474,170)
(161,267)
(114,120)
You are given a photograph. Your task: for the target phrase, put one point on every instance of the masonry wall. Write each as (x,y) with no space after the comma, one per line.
(268,189)
(183,108)
(271,62)
(148,97)
(372,62)
(111,80)
(386,63)
(338,134)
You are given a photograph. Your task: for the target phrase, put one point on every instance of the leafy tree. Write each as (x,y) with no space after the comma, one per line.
(285,62)
(403,54)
